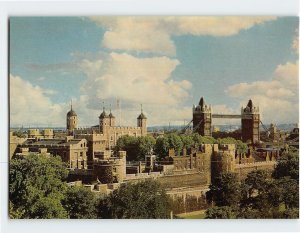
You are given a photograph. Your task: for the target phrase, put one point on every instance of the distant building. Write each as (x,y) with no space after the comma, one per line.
(105,135)
(72,120)
(44,134)
(202,118)
(250,123)
(72,151)
(250,120)
(14,142)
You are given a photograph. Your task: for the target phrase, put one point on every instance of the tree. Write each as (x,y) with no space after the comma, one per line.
(36,186)
(142,200)
(225,191)
(15,213)
(19,134)
(223,212)
(288,165)
(264,197)
(175,142)
(129,144)
(161,147)
(187,141)
(207,140)
(135,147)
(48,207)
(290,195)
(240,146)
(257,182)
(80,203)
(227,140)
(144,146)
(255,191)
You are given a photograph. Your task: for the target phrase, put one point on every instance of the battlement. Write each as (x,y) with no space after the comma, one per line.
(125,128)
(247,110)
(88,130)
(202,109)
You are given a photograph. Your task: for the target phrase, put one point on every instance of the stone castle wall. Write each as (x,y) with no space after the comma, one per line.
(243,169)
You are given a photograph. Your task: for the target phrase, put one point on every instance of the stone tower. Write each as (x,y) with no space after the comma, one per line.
(142,122)
(250,123)
(72,120)
(104,122)
(112,119)
(202,118)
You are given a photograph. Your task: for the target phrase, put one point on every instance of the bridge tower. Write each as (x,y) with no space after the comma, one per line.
(202,118)
(250,123)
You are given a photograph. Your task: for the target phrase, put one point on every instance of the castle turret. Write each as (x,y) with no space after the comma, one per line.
(112,119)
(104,121)
(72,120)
(202,118)
(250,123)
(142,122)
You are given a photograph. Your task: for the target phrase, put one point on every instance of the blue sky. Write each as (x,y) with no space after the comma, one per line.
(166,64)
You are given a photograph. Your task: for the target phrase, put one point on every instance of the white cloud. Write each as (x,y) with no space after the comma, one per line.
(154,34)
(135,81)
(31,105)
(278,98)
(41,78)
(295,45)
(132,80)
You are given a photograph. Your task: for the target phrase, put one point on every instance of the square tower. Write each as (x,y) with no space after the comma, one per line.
(250,123)
(202,118)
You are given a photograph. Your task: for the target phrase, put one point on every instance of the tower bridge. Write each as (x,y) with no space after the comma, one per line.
(225,116)
(250,120)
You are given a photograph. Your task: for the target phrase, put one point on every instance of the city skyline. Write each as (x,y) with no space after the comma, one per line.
(164,63)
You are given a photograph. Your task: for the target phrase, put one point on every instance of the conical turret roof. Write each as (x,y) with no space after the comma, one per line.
(71,112)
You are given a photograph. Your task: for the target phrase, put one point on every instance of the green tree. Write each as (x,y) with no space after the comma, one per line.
(288,165)
(161,147)
(290,192)
(291,214)
(225,190)
(255,191)
(227,140)
(142,200)
(207,140)
(129,144)
(48,207)
(36,186)
(144,146)
(15,213)
(223,212)
(80,203)
(187,141)
(19,134)
(240,146)
(264,197)
(175,142)
(135,147)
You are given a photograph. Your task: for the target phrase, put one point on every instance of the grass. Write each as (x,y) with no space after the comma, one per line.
(196,216)
(193,215)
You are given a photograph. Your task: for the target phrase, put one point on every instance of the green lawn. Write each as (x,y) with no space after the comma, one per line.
(195,216)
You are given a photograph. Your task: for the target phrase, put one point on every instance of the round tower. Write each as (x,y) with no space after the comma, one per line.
(142,122)
(104,121)
(112,119)
(72,119)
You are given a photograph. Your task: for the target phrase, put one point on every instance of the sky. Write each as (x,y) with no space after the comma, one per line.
(164,63)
